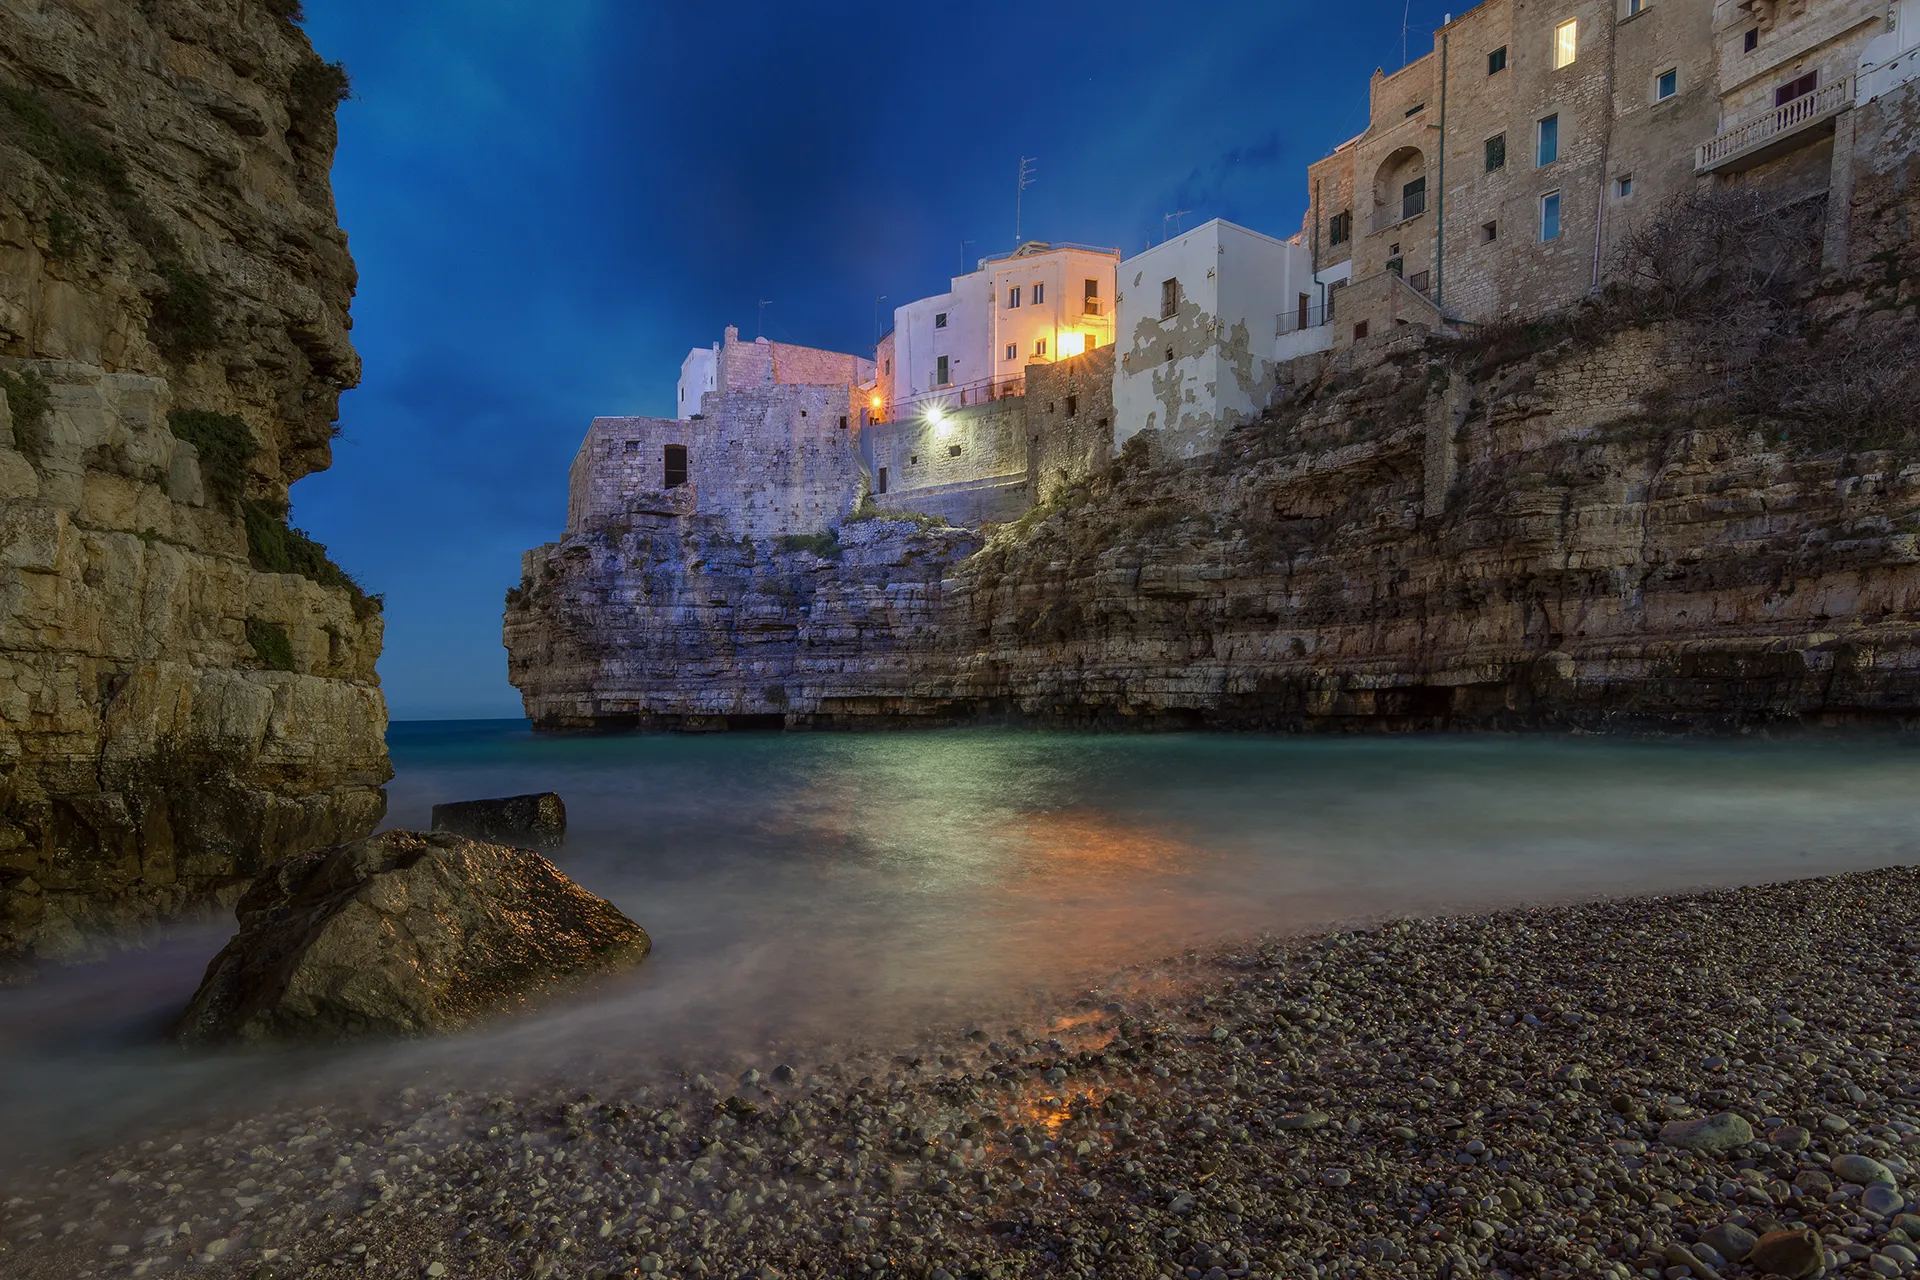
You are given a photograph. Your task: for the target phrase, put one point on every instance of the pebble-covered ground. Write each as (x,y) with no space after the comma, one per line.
(1716,1085)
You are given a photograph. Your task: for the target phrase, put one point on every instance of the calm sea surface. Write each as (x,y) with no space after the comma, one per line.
(810,887)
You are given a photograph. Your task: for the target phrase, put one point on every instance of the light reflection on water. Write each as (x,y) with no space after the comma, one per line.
(813,887)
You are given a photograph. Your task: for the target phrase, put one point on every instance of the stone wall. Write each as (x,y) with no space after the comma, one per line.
(1069,427)
(171,717)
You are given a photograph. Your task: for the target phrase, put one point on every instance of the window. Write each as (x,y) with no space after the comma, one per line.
(1489,232)
(1340,227)
(1623,186)
(1169,355)
(1547,146)
(1497,61)
(1634,7)
(1360,331)
(1169,298)
(1416,108)
(939,319)
(1013,351)
(889,366)
(1419,281)
(940,378)
(675,460)
(1800,88)
(1550,216)
(1666,84)
(1752,41)
(1496,152)
(1073,405)
(1093,340)
(880,481)
(1013,297)
(843,422)
(1093,299)
(1566,43)
(633,446)
(1039,292)
(953,451)
(1302,305)
(1040,346)
(1413,198)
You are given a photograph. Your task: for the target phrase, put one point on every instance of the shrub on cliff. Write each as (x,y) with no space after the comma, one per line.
(271,648)
(825,545)
(274,546)
(314,90)
(27,403)
(184,322)
(225,445)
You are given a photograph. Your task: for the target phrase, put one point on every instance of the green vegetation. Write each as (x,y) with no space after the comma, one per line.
(291,12)
(27,403)
(184,320)
(225,445)
(270,645)
(274,546)
(825,545)
(316,88)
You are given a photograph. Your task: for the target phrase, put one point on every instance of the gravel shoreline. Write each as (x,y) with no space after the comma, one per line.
(1635,1087)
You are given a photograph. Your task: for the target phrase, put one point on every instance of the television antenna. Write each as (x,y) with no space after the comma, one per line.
(878,298)
(1026,180)
(1174,218)
(963,255)
(760,323)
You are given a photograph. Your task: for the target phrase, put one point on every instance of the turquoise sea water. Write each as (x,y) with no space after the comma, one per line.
(808,887)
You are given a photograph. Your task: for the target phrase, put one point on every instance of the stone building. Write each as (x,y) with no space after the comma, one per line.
(1498,172)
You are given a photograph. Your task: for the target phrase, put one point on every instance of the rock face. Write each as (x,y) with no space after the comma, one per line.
(187,687)
(538,820)
(403,934)
(1418,543)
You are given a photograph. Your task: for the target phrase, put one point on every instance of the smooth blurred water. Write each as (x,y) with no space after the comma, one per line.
(823,886)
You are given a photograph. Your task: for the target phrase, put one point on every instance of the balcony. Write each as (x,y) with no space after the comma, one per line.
(1776,132)
(1404,210)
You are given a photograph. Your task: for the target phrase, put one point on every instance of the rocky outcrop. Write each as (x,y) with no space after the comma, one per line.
(187,686)
(538,821)
(403,934)
(1425,536)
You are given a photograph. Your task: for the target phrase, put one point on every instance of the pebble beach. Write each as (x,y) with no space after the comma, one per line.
(1712,1085)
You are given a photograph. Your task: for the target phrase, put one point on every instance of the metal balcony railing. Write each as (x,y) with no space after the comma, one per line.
(981,391)
(1779,123)
(1289,321)
(1403,210)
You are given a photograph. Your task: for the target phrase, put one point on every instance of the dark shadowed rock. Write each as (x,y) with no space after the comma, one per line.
(539,821)
(403,934)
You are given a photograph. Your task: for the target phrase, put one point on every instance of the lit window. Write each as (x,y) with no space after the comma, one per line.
(1547,145)
(1497,61)
(940,320)
(1666,84)
(1566,41)
(1039,292)
(1013,351)
(1013,297)
(1040,346)
(1550,216)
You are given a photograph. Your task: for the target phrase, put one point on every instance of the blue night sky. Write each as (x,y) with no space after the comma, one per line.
(550,201)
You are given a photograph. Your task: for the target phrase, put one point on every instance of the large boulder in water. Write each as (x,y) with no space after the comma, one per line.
(403,934)
(537,821)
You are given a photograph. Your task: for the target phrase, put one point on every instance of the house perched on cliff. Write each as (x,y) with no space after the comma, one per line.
(1499,172)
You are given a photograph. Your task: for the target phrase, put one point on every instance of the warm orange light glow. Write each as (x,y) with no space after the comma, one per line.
(1073,344)
(877,402)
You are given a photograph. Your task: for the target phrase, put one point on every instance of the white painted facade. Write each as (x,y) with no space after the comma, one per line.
(1891,58)
(1209,366)
(1039,303)
(696,379)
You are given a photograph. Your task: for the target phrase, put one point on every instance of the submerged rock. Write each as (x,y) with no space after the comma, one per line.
(403,934)
(538,820)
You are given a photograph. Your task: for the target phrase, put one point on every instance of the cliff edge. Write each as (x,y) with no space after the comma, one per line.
(187,684)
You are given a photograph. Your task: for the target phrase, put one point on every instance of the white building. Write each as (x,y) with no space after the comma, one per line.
(1042,302)
(696,379)
(1199,316)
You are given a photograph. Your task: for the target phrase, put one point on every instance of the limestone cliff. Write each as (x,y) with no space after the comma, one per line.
(187,686)
(1691,503)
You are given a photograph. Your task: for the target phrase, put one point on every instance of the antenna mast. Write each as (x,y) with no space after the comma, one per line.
(1026,180)
(760,320)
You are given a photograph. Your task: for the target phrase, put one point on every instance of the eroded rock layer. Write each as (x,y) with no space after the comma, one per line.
(187,687)
(1428,536)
